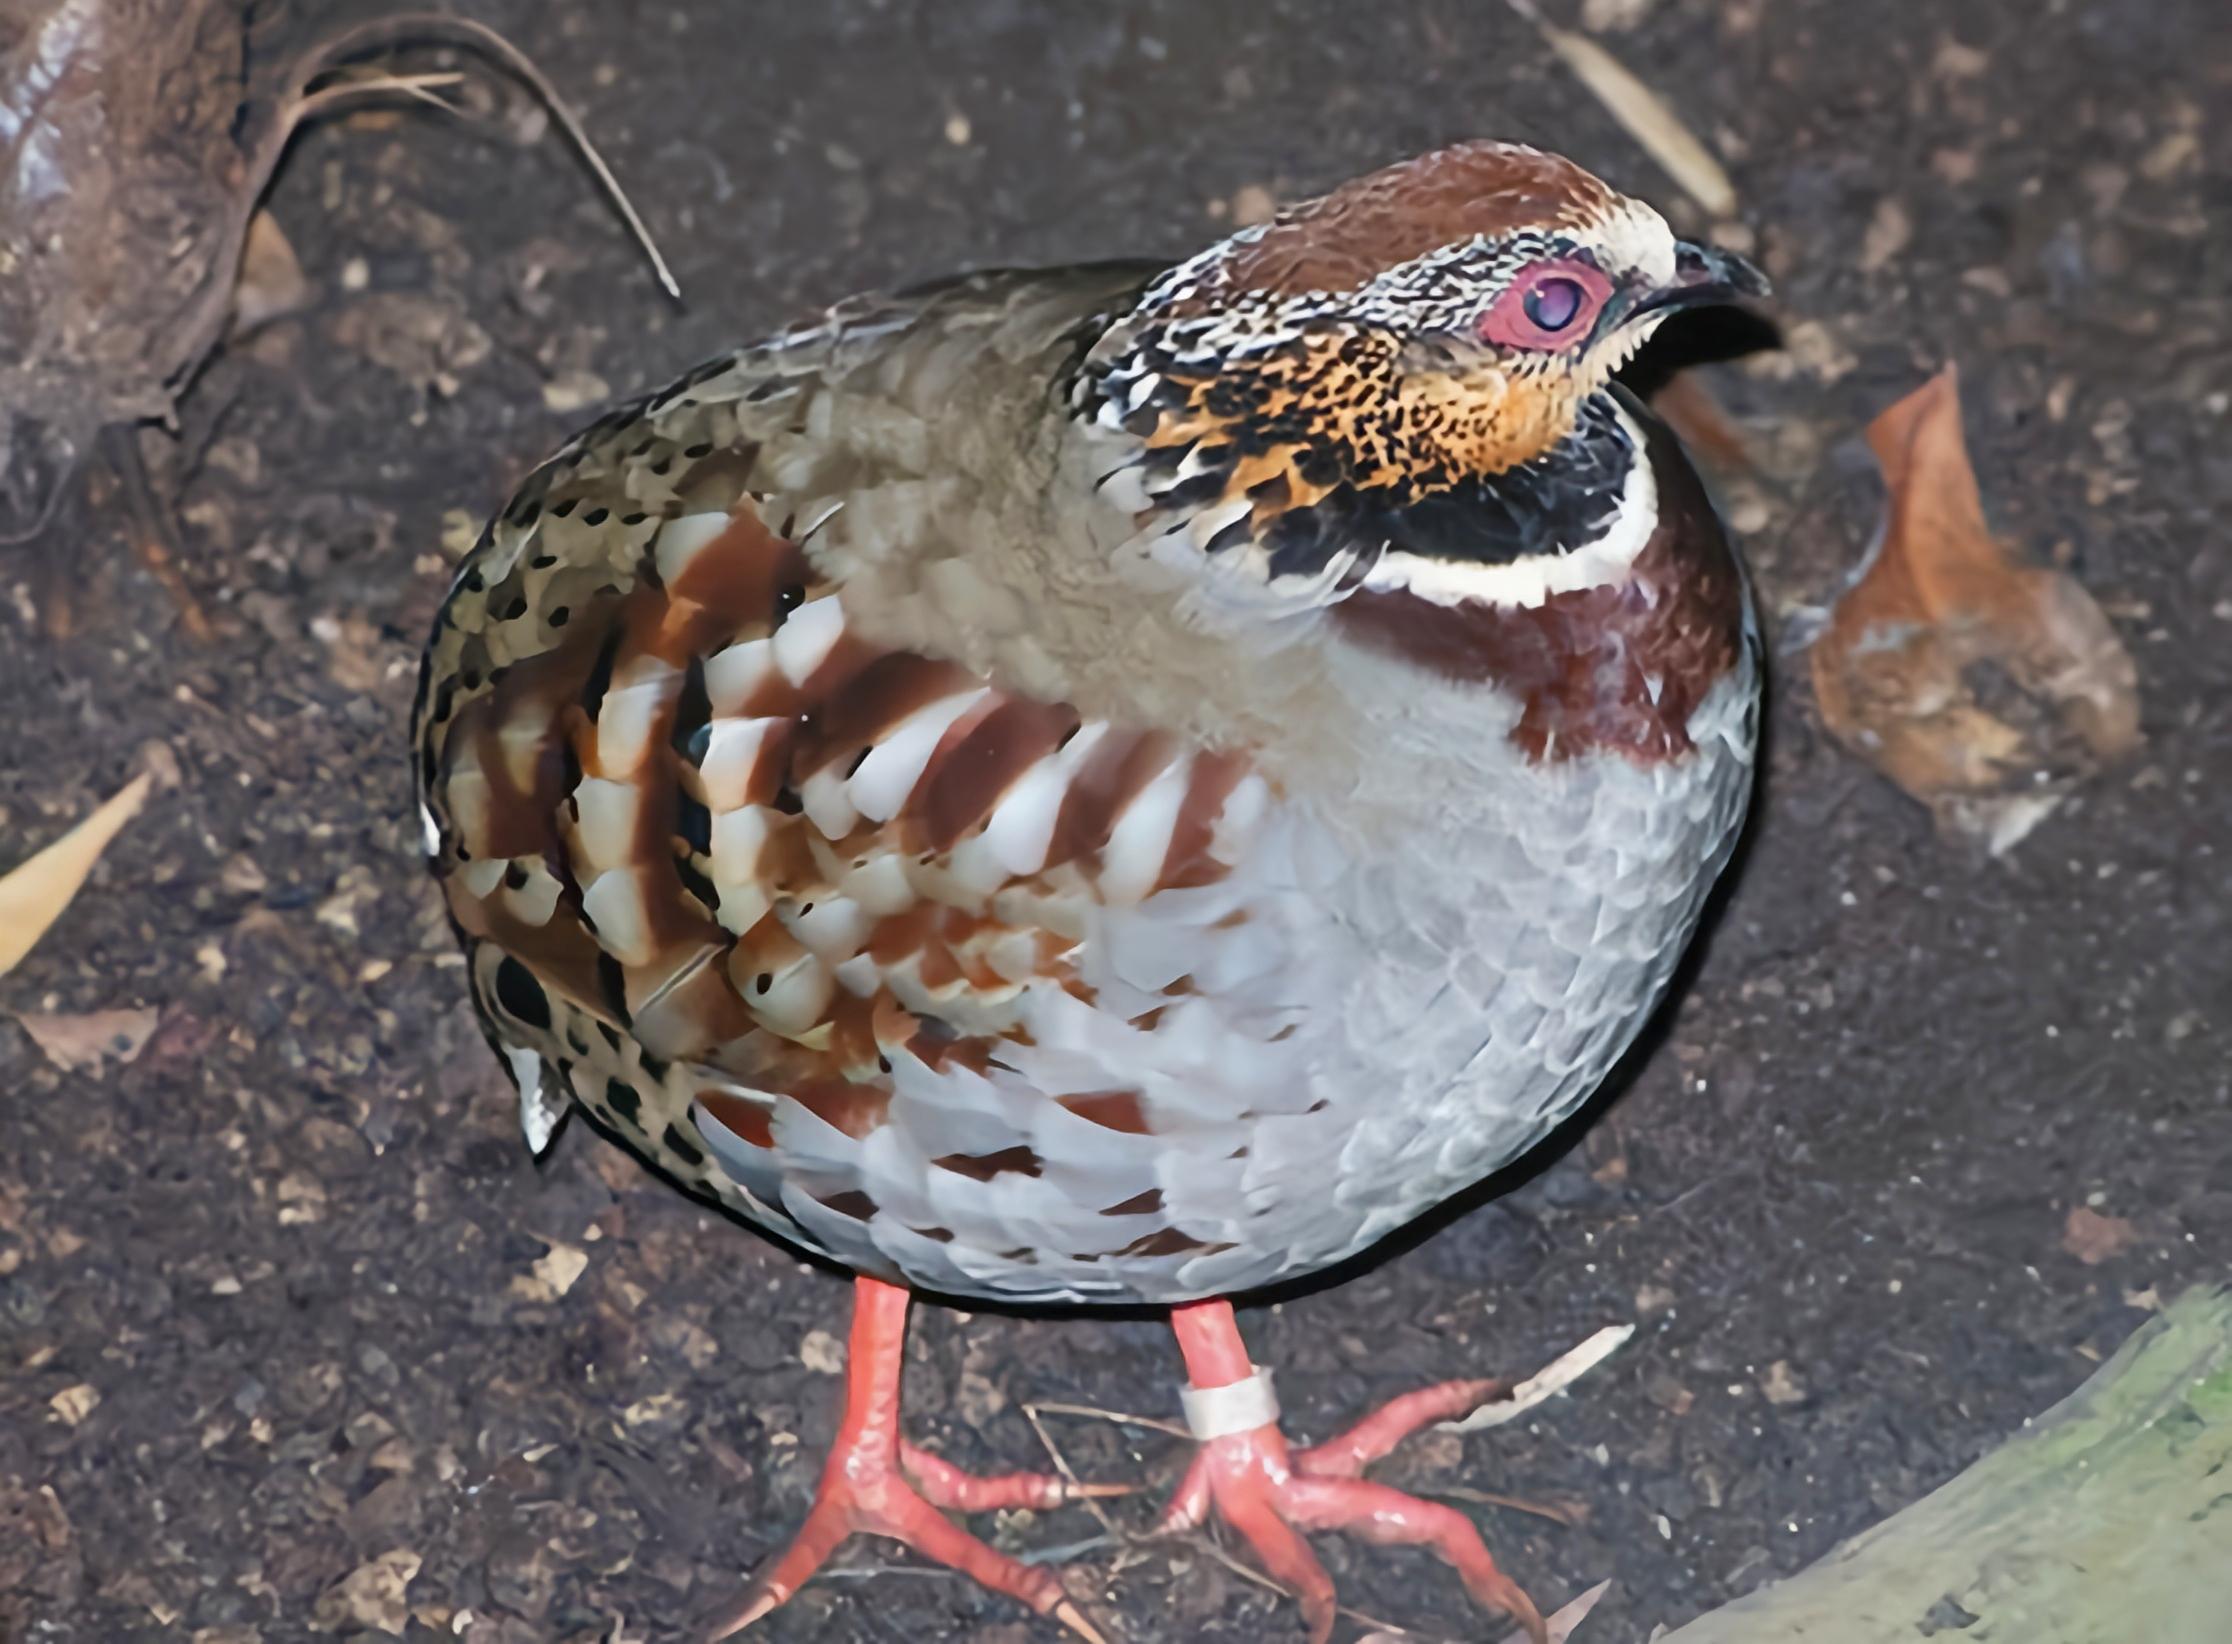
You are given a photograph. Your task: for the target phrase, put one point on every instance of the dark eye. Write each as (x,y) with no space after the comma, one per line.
(1554,302)
(1546,309)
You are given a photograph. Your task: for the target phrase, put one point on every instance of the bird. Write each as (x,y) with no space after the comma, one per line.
(1117,784)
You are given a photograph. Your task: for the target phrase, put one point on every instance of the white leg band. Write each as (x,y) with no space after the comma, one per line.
(1237,1407)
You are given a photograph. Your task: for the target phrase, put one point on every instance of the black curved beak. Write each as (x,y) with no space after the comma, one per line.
(1703,275)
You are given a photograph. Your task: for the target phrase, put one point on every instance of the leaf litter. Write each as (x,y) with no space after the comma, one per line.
(83,1041)
(2094,1238)
(1985,687)
(34,893)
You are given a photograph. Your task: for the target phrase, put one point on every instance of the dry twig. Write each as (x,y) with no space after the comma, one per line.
(301,104)
(1642,113)
(34,893)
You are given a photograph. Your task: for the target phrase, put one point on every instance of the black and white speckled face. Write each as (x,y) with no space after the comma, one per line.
(1474,351)
(1430,341)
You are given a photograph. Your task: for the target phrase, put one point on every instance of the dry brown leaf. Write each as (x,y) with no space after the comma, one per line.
(271,282)
(553,1274)
(33,895)
(1982,686)
(2093,1238)
(82,1042)
(1545,1384)
(1642,113)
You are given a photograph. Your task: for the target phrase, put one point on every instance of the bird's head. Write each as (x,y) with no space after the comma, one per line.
(1446,326)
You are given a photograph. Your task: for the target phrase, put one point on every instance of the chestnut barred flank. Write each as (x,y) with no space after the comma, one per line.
(782,860)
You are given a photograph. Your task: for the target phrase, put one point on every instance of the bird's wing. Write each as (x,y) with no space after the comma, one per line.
(952,979)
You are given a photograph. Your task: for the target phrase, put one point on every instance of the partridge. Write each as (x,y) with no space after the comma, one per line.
(1122,783)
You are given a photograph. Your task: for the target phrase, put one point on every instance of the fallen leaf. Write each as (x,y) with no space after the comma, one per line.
(271,283)
(1641,112)
(1982,686)
(2093,1238)
(1546,1383)
(73,1404)
(371,1595)
(1561,1625)
(553,1274)
(82,1042)
(33,894)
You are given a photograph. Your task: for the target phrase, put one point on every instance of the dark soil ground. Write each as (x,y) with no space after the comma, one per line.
(360,1364)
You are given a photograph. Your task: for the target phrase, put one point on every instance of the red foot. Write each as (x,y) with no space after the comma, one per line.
(1267,1494)
(876,1484)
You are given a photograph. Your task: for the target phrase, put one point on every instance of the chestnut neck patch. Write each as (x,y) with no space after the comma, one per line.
(1618,667)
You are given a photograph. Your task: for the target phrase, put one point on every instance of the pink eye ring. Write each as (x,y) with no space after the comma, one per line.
(1548,307)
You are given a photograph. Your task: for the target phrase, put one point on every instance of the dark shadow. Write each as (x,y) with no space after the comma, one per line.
(1699,336)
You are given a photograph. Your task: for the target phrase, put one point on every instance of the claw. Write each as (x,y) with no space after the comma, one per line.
(1269,1495)
(752,1609)
(874,1484)
(1070,1616)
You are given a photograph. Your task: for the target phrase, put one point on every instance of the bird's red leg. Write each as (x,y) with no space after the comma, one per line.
(876,1484)
(1247,1476)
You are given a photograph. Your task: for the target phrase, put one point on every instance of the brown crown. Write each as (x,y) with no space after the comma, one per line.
(1341,240)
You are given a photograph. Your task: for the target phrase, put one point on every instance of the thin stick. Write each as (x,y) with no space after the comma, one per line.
(406,28)
(1062,1466)
(875,1572)
(1152,1424)
(419,87)
(1066,1551)
(1489,1498)
(1248,1572)
(1641,112)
